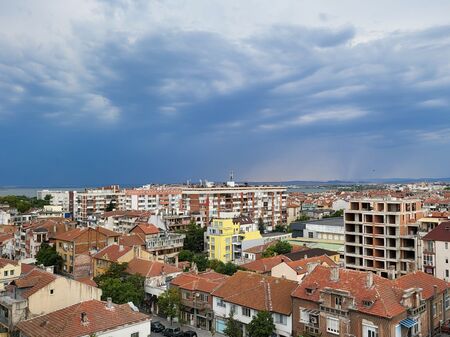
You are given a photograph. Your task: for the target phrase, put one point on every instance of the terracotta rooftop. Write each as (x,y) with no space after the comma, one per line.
(112,252)
(258,292)
(309,252)
(67,322)
(204,282)
(440,233)
(385,294)
(127,213)
(300,266)
(88,281)
(75,233)
(33,281)
(5,262)
(265,265)
(150,268)
(131,240)
(146,228)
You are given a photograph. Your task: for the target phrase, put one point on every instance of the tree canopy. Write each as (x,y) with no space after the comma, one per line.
(261,226)
(169,303)
(195,237)
(281,247)
(48,256)
(121,286)
(23,203)
(261,325)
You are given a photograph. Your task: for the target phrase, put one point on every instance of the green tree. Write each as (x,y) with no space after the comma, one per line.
(201,261)
(121,286)
(186,255)
(303,217)
(169,303)
(261,226)
(22,203)
(233,327)
(279,228)
(261,325)
(195,237)
(48,256)
(281,247)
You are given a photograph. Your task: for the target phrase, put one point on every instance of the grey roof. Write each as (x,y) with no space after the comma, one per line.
(273,234)
(299,255)
(337,222)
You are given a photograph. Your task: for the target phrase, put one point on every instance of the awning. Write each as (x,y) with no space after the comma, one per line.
(408,323)
(311,311)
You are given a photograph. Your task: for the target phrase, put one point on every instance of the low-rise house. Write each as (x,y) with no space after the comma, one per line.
(89,318)
(333,301)
(38,292)
(196,300)
(296,270)
(265,265)
(116,254)
(245,294)
(157,278)
(9,271)
(123,221)
(82,241)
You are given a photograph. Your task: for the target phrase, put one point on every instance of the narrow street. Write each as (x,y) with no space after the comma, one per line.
(200,333)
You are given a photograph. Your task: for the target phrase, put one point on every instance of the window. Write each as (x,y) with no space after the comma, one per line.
(338,302)
(434,310)
(304,316)
(333,325)
(246,312)
(135,334)
(52,291)
(446,245)
(220,302)
(311,235)
(280,319)
(370,331)
(186,295)
(446,260)
(446,273)
(5,273)
(367,303)
(11,272)
(447,302)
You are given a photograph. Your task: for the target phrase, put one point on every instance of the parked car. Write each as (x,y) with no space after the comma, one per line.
(157,326)
(189,333)
(173,332)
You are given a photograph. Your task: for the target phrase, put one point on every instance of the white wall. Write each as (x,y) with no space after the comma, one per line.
(280,329)
(442,255)
(143,328)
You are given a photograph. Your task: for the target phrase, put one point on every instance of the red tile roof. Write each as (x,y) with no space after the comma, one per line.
(67,322)
(112,252)
(258,292)
(33,281)
(150,268)
(75,233)
(384,293)
(440,233)
(204,282)
(265,265)
(5,262)
(131,240)
(146,228)
(300,266)
(88,281)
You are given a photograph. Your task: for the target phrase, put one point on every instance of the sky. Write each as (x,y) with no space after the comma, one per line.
(133,92)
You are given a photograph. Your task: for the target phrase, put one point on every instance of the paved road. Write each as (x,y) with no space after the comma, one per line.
(200,333)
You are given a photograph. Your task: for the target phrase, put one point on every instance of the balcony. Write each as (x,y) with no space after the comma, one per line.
(334,311)
(418,310)
(200,305)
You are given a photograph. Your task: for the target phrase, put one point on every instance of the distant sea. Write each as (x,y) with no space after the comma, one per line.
(32,192)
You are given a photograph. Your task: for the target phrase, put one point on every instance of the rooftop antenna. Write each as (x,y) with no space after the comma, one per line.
(231,176)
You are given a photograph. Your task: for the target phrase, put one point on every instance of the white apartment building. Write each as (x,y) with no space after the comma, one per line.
(5,218)
(93,203)
(381,235)
(436,252)
(58,198)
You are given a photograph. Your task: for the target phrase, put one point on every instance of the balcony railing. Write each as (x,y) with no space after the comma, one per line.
(418,310)
(334,311)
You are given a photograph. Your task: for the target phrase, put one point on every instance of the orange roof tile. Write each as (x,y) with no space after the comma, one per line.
(300,266)
(146,228)
(33,281)
(150,268)
(204,282)
(67,322)
(265,265)
(112,252)
(131,240)
(5,262)
(258,292)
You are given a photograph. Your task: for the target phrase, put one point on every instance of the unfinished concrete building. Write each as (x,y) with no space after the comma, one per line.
(381,235)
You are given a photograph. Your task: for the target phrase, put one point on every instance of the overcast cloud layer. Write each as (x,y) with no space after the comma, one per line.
(96,92)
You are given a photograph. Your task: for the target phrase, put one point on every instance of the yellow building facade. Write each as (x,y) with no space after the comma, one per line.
(225,238)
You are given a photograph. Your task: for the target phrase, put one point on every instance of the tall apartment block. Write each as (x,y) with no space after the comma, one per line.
(381,235)
(92,203)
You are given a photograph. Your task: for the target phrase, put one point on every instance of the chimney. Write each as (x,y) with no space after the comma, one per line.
(176,261)
(109,303)
(120,248)
(334,274)
(391,273)
(369,279)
